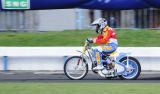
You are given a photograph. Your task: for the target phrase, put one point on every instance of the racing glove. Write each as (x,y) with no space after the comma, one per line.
(89,40)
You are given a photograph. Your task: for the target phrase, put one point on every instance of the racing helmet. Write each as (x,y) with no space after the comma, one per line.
(100,23)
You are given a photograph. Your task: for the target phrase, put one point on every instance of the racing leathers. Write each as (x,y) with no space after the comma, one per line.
(108,44)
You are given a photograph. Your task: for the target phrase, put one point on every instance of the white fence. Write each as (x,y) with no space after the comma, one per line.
(53,58)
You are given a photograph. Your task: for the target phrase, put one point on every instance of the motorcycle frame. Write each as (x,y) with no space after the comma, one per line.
(117,59)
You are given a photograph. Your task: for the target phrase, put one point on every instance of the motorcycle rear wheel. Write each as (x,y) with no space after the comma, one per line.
(135,72)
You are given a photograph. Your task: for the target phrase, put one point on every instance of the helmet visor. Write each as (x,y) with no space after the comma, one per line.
(97,28)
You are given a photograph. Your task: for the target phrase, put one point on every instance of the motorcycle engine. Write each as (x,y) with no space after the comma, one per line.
(107,73)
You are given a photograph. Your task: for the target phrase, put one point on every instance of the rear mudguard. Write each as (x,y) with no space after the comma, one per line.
(121,68)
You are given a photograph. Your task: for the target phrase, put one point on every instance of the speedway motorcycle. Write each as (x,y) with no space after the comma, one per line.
(123,66)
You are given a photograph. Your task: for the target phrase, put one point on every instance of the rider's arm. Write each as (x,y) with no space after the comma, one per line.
(104,39)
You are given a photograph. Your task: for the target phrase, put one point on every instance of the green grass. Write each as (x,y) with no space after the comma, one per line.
(126,37)
(139,38)
(79,88)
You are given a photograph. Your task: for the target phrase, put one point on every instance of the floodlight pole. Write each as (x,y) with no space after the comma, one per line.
(97,14)
(79,18)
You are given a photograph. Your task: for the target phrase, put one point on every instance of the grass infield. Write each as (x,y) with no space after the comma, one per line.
(126,38)
(79,88)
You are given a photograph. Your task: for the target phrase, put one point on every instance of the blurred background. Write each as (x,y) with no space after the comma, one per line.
(135,15)
(66,19)
(137,23)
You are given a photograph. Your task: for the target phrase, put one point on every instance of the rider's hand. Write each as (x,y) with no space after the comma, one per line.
(89,40)
(94,40)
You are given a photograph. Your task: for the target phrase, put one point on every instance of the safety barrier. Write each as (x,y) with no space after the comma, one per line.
(53,58)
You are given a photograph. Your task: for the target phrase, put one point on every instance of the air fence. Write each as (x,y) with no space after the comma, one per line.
(53,58)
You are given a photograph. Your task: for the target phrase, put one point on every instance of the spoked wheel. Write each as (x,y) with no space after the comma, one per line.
(133,70)
(75,68)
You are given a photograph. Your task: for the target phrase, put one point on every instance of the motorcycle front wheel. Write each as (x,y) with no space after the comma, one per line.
(134,69)
(75,68)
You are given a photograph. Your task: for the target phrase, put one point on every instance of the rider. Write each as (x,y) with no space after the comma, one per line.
(106,39)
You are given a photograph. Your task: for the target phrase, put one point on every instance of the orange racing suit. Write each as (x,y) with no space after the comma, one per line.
(108,42)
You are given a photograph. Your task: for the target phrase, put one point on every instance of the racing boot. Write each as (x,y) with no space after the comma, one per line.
(98,67)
